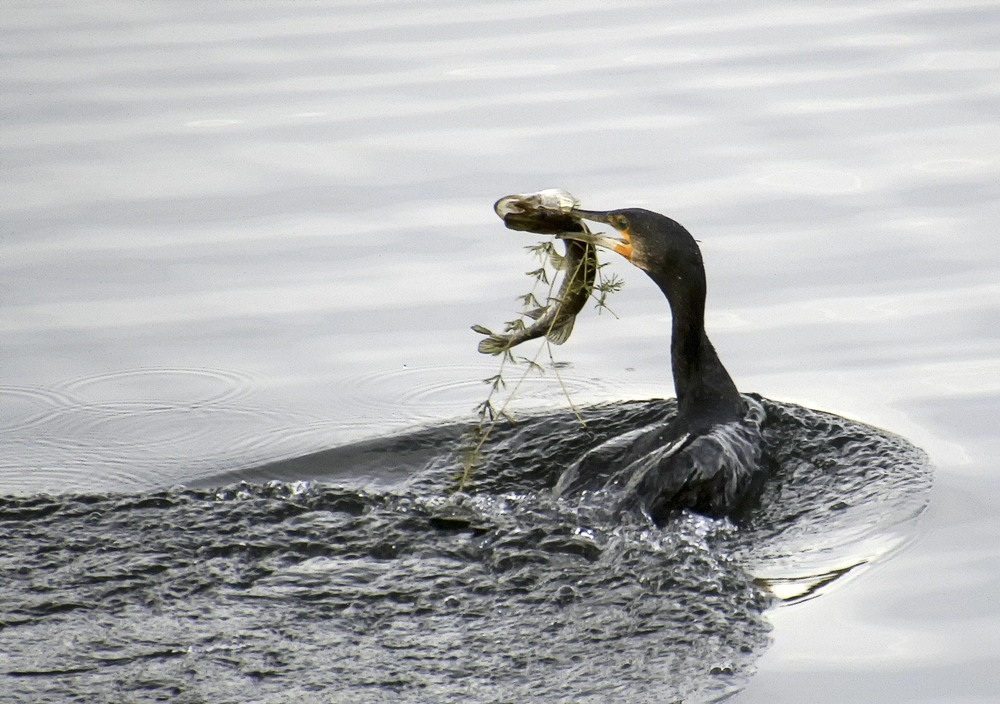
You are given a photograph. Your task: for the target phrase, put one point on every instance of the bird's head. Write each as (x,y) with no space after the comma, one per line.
(653,242)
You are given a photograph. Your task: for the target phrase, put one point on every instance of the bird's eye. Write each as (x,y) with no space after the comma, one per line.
(620,222)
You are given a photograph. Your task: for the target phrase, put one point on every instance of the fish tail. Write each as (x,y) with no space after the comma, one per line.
(495,344)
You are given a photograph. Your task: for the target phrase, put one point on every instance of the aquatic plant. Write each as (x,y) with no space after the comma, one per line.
(491,411)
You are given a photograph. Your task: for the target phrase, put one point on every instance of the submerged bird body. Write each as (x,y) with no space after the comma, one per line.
(660,469)
(708,458)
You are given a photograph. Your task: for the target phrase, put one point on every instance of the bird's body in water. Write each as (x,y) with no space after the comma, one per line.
(708,458)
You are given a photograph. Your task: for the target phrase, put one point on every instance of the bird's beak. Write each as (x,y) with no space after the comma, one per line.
(622,245)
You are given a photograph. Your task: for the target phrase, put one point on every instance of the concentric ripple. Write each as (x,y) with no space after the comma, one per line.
(131,429)
(22,406)
(191,386)
(433,392)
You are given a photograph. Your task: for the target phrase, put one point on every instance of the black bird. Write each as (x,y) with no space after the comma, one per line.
(708,458)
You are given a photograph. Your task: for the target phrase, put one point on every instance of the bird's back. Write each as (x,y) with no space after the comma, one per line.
(716,471)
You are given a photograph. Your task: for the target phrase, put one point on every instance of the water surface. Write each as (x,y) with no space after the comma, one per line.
(244,233)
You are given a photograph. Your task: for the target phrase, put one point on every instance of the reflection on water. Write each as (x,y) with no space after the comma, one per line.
(238,234)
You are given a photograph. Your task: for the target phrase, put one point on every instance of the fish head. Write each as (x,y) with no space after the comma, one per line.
(544,212)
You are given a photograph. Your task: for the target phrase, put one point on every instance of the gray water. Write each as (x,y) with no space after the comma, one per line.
(237,234)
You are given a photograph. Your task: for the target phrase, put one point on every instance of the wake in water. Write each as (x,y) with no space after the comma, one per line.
(293,583)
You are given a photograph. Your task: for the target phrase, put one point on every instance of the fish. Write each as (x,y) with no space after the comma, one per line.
(548,213)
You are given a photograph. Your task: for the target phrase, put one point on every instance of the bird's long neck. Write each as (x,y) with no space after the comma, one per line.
(706,393)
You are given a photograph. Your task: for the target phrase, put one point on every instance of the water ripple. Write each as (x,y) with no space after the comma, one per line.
(188,386)
(22,407)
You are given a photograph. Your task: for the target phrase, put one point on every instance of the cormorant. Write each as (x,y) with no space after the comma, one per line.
(708,458)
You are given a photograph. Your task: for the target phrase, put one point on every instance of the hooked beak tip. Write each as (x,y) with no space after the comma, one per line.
(595,215)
